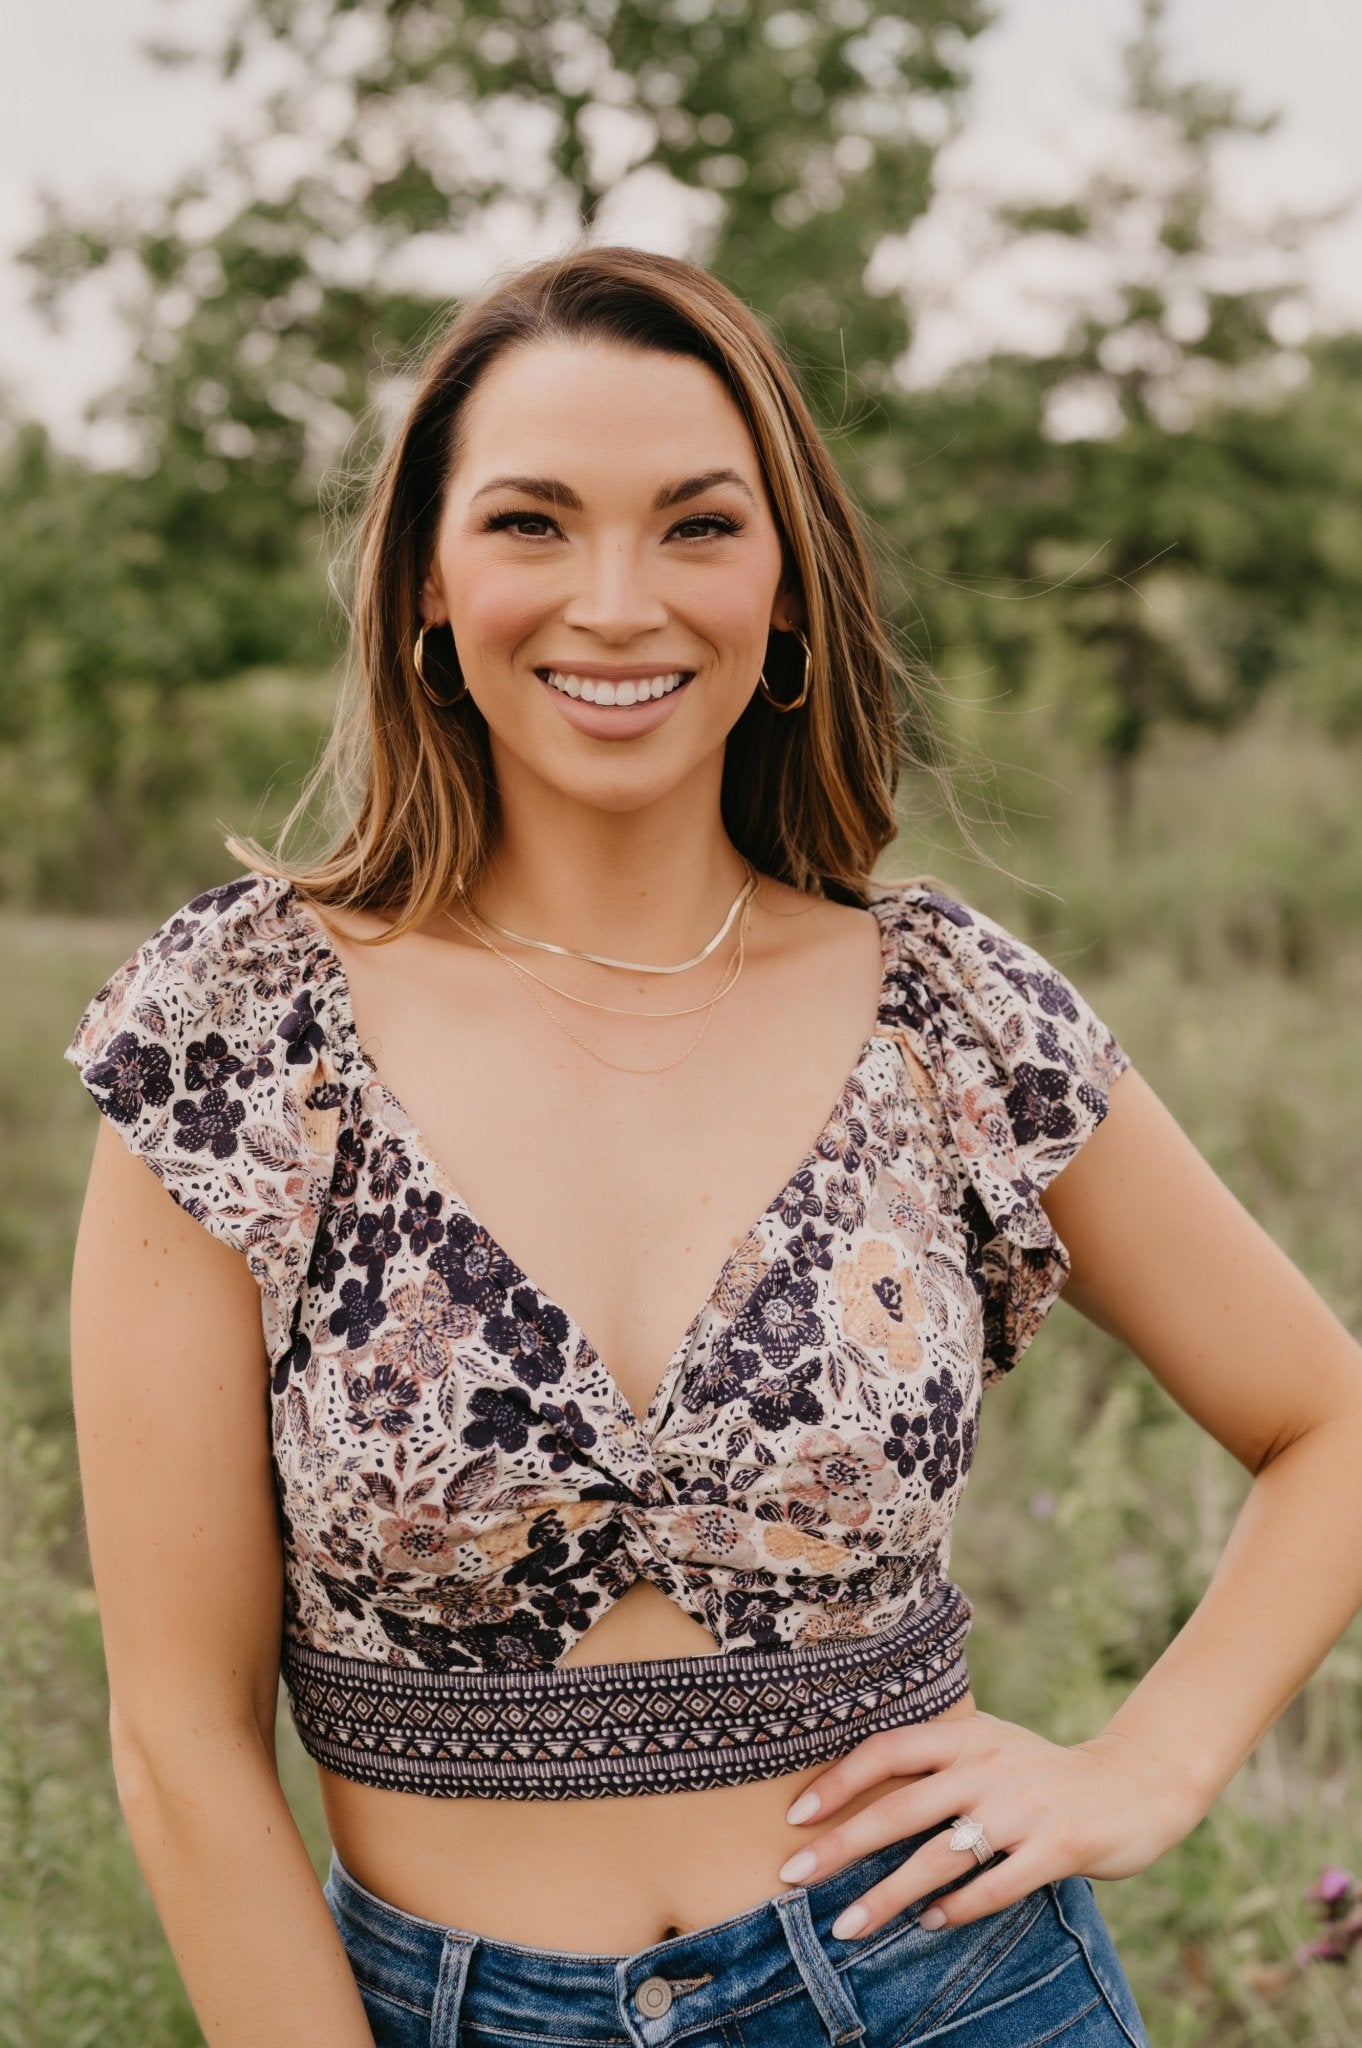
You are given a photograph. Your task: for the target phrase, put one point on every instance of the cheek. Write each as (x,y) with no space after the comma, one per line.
(727,609)
(494,609)
(731,608)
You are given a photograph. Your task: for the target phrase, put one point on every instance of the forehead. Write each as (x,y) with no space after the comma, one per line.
(582,403)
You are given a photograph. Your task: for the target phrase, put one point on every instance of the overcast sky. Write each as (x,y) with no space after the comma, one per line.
(82,112)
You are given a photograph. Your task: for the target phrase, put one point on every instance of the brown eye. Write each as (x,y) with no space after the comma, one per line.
(718,522)
(497,521)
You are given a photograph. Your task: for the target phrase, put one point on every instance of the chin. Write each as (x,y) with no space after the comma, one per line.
(616,779)
(620,791)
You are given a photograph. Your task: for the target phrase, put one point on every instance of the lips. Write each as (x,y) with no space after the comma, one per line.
(622,690)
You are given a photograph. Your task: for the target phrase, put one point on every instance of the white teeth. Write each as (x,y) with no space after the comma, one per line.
(634,690)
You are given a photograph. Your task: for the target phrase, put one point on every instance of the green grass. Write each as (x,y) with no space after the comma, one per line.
(1223,943)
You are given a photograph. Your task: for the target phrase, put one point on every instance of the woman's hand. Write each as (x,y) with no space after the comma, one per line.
(1102,1808)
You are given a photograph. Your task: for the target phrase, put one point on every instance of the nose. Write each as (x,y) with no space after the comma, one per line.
(614,597)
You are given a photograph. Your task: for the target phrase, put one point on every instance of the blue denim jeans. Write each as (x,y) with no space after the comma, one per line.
(1041,1971)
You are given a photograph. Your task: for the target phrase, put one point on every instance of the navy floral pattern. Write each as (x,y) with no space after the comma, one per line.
(462,1484)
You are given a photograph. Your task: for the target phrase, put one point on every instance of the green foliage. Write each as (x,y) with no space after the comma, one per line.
(796,136)
(1187,545)
(116,593)
(1148,521)
(280,294)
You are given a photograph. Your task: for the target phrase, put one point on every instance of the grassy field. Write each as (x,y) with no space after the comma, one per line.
(1222,940)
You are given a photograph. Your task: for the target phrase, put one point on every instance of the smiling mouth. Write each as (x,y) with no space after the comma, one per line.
(623,690)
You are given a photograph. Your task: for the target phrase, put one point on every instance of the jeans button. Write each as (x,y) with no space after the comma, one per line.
(653,1997)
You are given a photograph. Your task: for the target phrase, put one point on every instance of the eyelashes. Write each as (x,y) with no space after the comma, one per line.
(721,522)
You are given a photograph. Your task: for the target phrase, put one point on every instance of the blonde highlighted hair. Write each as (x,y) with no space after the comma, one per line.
(408,785)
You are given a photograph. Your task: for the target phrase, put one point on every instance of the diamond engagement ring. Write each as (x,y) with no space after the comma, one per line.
(967,1834)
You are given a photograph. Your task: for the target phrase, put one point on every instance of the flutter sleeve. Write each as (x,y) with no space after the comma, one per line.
(203,1053)
(1024,1069)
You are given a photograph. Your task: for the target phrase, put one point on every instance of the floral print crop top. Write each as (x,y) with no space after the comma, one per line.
(462,1488)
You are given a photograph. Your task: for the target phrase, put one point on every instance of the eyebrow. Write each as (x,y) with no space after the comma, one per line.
(555,492)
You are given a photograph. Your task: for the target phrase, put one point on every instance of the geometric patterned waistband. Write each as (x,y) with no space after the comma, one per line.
(589,1731)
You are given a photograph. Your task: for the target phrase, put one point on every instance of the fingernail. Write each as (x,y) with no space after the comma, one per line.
(798,1866)
(850,1922)
(933,1917)
(804,1808)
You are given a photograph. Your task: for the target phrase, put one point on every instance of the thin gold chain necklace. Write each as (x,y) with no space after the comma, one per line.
(620,1066)
(613,1009)
(635,966)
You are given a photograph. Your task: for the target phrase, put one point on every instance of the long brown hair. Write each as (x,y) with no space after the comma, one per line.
(807,796)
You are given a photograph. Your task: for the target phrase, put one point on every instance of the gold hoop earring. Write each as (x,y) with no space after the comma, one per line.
(417,655)
(776,703)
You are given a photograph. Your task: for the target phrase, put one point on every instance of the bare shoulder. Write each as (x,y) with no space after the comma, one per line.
(368,931)
(350,924)
(813,929)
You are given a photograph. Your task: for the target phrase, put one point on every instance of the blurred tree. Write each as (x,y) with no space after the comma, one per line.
(277,296)
(276,290)
(1322,648)
(115,591)
(1145,524)
(1133,514)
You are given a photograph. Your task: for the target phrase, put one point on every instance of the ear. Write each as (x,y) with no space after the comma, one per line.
(434,611)
(787,612)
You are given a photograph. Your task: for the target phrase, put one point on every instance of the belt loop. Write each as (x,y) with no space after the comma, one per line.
(444,2015)
(822,1982)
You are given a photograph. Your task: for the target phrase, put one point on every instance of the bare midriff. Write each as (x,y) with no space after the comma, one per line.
(592,1876)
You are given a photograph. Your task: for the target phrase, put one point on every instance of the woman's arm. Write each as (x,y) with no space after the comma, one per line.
(1166,1259)
(170,1382)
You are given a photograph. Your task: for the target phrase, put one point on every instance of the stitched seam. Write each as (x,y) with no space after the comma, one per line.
(968,1978)
(1093,1972)
(500,2033)
(390,1997)
(739,2012)
(1055,2032)
(974,2015)
(969,1974)
(938,2033)
(450,1986)
(828,1993)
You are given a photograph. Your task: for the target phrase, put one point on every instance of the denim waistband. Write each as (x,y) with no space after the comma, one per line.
(782,1946)
(649,1725)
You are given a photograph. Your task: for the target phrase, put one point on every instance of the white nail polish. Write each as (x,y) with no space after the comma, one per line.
(850,1922)
(799,1867)
(804,1808)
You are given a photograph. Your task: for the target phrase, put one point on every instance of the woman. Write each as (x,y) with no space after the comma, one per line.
(628,1659)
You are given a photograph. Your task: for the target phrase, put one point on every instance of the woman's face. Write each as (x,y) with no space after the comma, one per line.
(606,534)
